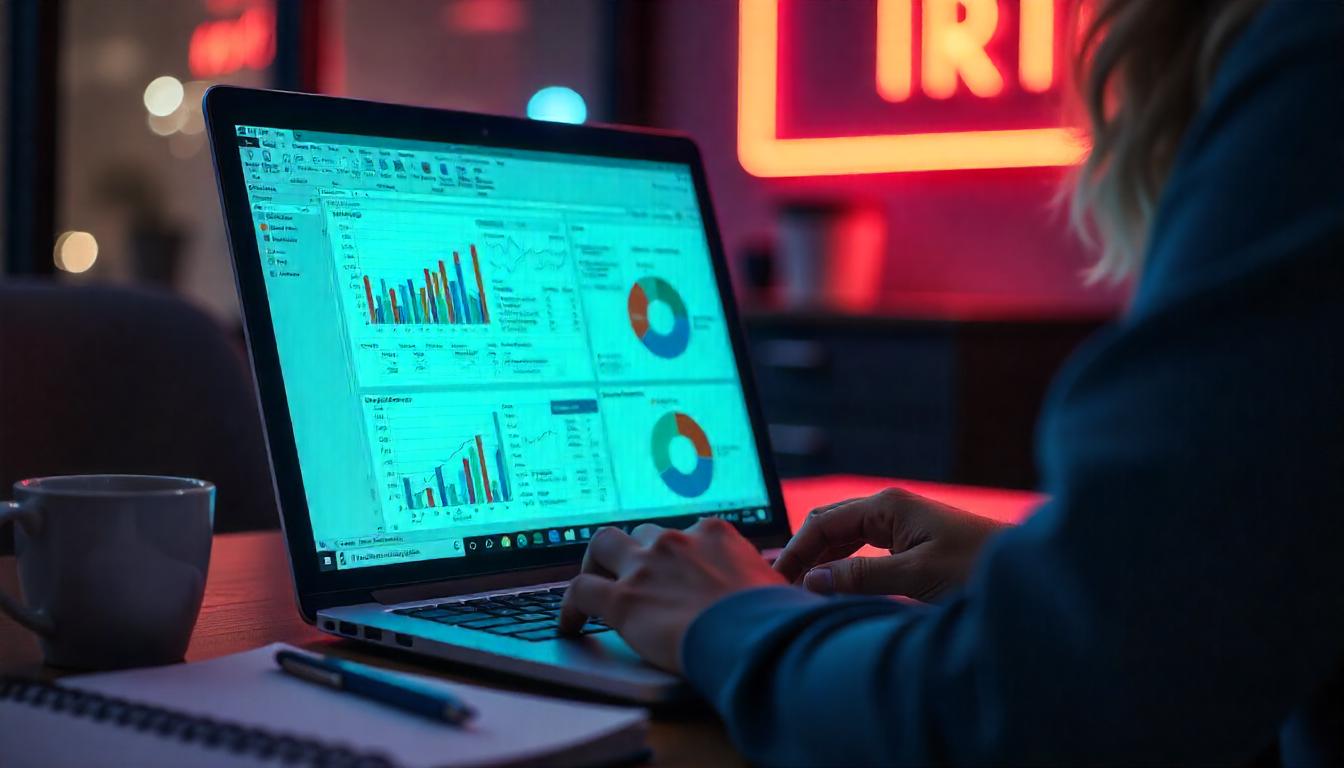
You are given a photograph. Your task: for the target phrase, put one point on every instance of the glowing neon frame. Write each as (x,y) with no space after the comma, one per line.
(763,153)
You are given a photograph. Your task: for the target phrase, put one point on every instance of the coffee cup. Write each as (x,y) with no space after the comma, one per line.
(112,567)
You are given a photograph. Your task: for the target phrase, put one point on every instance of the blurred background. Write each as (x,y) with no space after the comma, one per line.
(884,172)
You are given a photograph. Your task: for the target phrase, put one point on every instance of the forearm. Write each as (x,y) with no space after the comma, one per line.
(798,678)
(1054,654)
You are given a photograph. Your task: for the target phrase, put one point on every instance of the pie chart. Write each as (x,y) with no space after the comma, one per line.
(650,291)
(668,428)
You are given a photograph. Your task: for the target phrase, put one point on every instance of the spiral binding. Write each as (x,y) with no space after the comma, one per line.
(164,723)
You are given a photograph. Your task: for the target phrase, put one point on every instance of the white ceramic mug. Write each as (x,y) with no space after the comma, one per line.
(112,567)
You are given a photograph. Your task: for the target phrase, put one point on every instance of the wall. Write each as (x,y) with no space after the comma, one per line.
(115,174)
(418,53)
(967,238)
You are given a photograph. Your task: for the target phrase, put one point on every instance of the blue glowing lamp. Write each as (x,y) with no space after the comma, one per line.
(557,104)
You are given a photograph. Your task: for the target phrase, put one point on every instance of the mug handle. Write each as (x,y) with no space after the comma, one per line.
(34,620)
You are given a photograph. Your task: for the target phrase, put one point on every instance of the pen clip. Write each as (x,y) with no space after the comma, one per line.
(309,672)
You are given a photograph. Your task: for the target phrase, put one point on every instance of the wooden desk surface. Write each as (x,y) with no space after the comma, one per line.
(249,602)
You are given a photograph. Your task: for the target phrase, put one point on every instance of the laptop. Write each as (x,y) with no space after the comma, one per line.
(476,340)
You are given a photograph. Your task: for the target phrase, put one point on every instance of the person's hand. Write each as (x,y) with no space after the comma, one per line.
(651,584)
(933,546)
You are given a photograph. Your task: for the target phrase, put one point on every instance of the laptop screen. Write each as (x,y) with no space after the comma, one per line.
(488,349)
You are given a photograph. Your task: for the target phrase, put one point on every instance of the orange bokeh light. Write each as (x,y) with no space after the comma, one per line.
(959,56)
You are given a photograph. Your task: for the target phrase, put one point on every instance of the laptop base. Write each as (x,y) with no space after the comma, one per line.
(602,664)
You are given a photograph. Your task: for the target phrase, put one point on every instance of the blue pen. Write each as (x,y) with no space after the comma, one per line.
(375,684)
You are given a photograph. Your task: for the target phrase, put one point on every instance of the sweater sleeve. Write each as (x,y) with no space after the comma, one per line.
(1181,592)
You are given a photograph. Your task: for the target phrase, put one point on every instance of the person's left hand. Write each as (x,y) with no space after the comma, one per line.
(651,584)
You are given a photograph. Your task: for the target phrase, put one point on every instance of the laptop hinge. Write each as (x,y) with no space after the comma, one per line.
(450,588)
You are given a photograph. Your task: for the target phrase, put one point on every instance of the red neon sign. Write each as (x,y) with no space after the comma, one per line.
(953,61)
(225,46)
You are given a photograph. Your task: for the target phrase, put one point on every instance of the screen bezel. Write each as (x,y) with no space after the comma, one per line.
(226,107)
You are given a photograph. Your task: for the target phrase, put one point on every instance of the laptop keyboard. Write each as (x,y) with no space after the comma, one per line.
(530,616)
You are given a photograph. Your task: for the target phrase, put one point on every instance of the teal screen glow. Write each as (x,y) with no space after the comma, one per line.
(480,341)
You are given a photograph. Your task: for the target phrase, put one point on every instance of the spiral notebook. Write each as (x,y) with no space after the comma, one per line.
(240,710)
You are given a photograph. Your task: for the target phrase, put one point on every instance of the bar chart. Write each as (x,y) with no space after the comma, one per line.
(464,459)
(436,292)
(467,484)
(434,297)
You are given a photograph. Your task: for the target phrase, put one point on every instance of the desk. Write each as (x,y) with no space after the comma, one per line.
(249,602)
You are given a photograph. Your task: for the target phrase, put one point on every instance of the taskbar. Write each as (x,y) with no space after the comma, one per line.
(576,536)
(343,555)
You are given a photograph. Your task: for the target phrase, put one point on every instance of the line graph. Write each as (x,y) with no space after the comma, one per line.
(538,438)
(507,254)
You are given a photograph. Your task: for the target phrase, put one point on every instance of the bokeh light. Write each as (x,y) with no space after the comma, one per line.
(75,251)
(193,91)
(557,104)
(117,61)
(163,95)
(183,145)
(168,124)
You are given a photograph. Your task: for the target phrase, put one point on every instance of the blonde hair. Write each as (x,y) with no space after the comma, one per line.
(1144,68)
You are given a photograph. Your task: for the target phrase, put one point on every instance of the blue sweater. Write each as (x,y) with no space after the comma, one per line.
(1181,597)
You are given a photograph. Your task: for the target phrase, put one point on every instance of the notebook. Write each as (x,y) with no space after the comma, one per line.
(241,710)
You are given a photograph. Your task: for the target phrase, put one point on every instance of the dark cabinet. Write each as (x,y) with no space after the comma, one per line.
(933,399)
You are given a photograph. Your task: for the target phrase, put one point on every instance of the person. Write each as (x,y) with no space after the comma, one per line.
(1180,596)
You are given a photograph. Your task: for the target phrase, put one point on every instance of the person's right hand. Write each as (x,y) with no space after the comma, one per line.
(933,546)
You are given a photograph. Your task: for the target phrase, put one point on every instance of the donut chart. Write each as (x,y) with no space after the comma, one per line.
(668,428)
(646,291)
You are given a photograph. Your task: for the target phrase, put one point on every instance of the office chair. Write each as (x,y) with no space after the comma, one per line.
(110,379)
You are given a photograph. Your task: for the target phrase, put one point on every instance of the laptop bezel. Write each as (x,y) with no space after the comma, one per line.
(226,107)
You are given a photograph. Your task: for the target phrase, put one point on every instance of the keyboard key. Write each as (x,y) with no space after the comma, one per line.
(476,601)
(458,618)
(431,613)
(592,629)
(500,610)
(458,606)
(518,629)
(539,616)
(525,607)
(539,634)
(488,622)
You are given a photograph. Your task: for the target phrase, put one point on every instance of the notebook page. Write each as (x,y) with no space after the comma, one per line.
(249,689)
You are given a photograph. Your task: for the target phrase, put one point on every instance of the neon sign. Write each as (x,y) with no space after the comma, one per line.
(954,51)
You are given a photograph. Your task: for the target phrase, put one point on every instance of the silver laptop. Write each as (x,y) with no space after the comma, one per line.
(476,340)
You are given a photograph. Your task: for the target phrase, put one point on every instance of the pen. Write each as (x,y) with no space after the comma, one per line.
(375,684)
